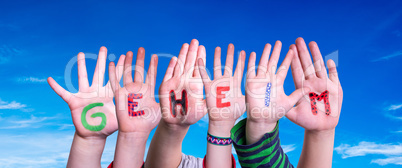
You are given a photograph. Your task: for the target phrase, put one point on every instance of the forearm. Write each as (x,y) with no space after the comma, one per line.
(217,155)
(256,130)
(166,146)
(266,152)
(86,152)
(130,149)
(317,149)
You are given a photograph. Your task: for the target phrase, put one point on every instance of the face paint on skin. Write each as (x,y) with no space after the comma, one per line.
(268,94)
(220,96)
(94,115)
(132,104)
(174,102)
(323,96)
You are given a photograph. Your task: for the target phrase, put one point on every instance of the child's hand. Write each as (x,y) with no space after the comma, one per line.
(92,108)
(182,79)
(315,77)
(267,101)
(137,110)
(225,100)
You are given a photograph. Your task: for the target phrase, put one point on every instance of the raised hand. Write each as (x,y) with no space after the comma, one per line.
(183,79)
(318,112)
(92,111)
(265,96)
(137,110)
(181,99)
(315,77)
(225,103)
(225,100)
(92,108)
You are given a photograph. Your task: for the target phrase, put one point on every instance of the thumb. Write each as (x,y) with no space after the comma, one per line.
(297,95)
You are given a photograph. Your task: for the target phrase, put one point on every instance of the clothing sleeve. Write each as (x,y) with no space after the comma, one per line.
(267,152)
(188,161)
(111,165)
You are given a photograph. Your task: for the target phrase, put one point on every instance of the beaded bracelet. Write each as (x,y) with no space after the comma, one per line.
(223,141)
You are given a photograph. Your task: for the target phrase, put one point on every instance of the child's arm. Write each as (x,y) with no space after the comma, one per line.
(225,103)
(92,111)
(137,111)
(318,113)
(256,139)
(181,100)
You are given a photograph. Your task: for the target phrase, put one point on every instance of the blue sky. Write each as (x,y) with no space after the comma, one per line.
(38,39)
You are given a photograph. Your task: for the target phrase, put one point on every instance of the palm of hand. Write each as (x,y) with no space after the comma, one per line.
(92,108)
(306,118)
(147,103)
(315,77)
(195,103)
(80,100)
(228,104)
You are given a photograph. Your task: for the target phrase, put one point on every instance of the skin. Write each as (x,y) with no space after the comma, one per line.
(134,130)
(319,129)
(87,146)
(166,145)
(222,119)
(262,119)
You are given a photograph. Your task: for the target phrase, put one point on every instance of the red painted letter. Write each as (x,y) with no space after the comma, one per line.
(220,96)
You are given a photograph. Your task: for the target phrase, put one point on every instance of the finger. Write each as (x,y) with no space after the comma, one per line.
(127,76)
(119,67)
(262,66)
(151,75)
(179,69)
(273,61)
(99,73)
(292,114)
(284,68)
(204,75)
(305,59)
(319,66)
(229,61)
(238,75)
(112,77)
(139,66)
(82,72)
(170,69)
(297,70)
(333,73)
(251,65)
(191,57)
(296,96)
(200,55)
(217,63)
(64,94)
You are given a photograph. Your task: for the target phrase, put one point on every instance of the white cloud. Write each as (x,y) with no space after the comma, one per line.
(390,160)
(12,105)
(387,57)
(392,151)
(394,107)
(31,80)
(365,148)
(44,149)
(391,111)
(288,148)
(33,122)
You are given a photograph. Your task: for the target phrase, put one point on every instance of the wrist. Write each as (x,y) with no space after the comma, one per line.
(173,128)
(220,128)
(90,139)
(320,134)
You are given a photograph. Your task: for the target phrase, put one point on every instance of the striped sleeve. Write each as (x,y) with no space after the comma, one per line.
(267,152)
